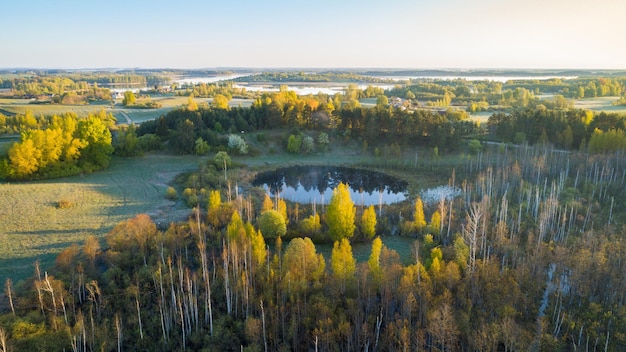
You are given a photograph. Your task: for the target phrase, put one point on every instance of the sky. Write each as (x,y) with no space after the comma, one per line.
(419,34)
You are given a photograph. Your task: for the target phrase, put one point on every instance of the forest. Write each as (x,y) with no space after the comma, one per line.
(528,256)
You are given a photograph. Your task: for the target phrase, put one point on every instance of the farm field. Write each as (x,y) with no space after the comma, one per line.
(32,226)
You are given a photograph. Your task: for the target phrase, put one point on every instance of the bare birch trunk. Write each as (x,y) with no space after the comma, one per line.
(8,289)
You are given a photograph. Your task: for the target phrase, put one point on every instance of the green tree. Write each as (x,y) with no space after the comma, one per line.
(294,143)
(382,101)
(98,150)
(302,265)
(308,145)
(474,146)
(222,161)
(368,222)
(127,142)
(272,224)
(201,147)
(323,141)
(129,98)
(341,213)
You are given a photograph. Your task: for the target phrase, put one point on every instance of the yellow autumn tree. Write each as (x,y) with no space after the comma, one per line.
(419,221)
(368,222)
(343,263)
(341,213)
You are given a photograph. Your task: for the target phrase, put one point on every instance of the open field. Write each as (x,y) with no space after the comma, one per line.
(6,142)
(32,226)
(20,106)
(599,104)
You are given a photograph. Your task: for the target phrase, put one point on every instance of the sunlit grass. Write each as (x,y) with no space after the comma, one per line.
(33,226)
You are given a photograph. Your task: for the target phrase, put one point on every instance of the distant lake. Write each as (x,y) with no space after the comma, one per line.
(315,184)
(501,79)
(306,90)
(208,79)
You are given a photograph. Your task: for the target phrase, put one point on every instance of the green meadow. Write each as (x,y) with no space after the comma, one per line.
(34,227)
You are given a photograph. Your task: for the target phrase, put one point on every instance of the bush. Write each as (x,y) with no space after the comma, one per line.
(64,204)
(171,193)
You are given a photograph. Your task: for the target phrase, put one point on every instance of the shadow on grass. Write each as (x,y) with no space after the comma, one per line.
(19,269)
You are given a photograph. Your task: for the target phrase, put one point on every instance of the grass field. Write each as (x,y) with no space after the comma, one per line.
(6,142)
(599,104)
(20,106)
(32,226)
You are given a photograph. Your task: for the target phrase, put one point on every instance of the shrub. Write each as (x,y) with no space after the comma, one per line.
(64,204)
(171,193)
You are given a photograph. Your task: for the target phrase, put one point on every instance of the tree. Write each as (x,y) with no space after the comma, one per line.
(237,144)
(220,101)
(129,98)
(341,213)
(191,103)
(474,146)
(308,145)
(435,222)
(201,147)
(267,203)
(294,143)
(24,159)
(97,154)
(323,141)
(368,222)
(222,160)
(272,224)
(374,260)
(127,142)
(342,262)
(419,221)
(382,101)
(302,265)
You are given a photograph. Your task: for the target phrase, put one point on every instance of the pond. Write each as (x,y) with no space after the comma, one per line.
(315,184)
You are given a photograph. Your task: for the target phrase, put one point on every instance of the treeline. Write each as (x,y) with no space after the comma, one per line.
(56,89)
(530,256)
(57,146)
(210,90)
(514,93)
(340,113)
(567,129)
(280,77)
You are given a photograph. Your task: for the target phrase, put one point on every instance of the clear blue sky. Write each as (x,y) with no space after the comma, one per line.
(319,33)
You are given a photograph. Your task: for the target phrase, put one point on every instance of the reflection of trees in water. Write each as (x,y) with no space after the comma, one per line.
(328,177)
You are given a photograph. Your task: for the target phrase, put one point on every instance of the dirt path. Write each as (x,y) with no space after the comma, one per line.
(125,115)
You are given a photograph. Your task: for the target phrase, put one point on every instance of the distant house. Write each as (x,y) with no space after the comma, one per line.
(398,103)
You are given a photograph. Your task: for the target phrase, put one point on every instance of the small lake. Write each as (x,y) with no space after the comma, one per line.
(315,184)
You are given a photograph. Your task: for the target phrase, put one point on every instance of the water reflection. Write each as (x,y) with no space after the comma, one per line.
(315,184)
